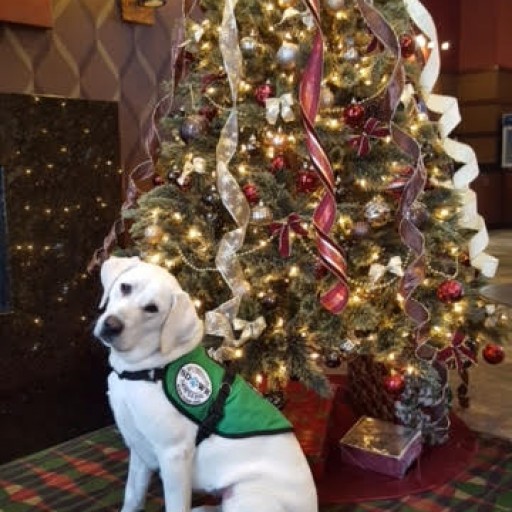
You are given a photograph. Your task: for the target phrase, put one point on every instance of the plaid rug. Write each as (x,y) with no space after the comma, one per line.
(87,474)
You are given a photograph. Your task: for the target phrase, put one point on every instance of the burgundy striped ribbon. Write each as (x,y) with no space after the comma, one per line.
(141,176)
(331,254)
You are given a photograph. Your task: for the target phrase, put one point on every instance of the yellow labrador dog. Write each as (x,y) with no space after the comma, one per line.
(148,323)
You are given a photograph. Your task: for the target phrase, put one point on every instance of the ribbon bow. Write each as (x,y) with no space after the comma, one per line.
(457,353)
(281,105)
(196,164)
(292,223)
(306,16)
(373,129)
(230,345)
(394,266)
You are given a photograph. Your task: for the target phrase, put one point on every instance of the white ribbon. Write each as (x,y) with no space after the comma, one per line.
(291,12)
(282,105)
(448,107)
(196,164)
(394,267)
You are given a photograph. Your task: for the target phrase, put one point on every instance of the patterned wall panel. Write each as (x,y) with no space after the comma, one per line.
(91,53)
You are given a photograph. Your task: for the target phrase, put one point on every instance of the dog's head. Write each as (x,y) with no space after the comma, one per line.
(146,310)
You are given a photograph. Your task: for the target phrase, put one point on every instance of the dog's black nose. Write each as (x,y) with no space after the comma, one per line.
(112,326)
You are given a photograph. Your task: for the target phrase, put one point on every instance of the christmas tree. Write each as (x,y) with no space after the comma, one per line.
(307,196)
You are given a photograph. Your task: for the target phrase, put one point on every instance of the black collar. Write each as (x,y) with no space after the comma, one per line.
(152,375)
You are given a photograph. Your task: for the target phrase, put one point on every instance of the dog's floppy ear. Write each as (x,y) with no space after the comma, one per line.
(111,270)
(181,324)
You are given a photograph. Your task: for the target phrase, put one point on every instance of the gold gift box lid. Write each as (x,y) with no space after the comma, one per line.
(382,437)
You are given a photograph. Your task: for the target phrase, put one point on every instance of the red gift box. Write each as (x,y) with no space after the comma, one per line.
(310,416)
(381,446)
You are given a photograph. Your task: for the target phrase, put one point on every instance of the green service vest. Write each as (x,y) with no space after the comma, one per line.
(192,383)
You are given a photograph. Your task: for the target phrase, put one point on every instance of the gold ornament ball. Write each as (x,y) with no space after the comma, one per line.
(153,234)
(287,56)
(334,5)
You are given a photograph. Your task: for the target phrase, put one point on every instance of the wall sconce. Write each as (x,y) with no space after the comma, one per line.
(151,3)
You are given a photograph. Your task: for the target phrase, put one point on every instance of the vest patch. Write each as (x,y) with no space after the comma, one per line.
(193,384)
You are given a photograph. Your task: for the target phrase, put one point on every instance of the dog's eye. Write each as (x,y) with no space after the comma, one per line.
(126,288)
(151,308)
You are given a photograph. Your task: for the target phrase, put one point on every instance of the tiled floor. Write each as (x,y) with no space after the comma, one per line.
(491,386)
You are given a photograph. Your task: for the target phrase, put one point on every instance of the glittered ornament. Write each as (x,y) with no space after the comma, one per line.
(353,115)
(287,56)
(377,212)
(193,127)
(261,214)
(334,5)
(394,384)
(347,346)
(332,359)
(326,97)
(153,234)
(269,301)
(307,181)
(278,164)
(450,291)
(360,229)
(249,46)
(408,45)
(493,354)
(263,92)
(251,193)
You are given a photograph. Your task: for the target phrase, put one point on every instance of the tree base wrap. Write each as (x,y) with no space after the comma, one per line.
(413,408)
(381,446)
(310,416)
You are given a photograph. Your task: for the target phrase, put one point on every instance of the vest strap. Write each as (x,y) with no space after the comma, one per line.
(216,410)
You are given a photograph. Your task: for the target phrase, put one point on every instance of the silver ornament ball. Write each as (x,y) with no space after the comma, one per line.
(326,97)
(377,212)
(334,5)
(249,46)
(193,127)
(287,56)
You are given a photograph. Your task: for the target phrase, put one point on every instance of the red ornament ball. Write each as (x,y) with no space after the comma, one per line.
(408,45)
(493,354)
(158,180)
(450,291)
(263,92)
(394,384)
(306,182)
(209,112)
(354,114)
(251,193)
(320,270)
(278,164)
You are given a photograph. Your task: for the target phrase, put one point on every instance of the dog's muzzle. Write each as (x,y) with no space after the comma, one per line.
(112,327)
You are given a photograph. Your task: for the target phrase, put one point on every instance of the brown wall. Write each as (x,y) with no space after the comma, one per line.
(478,70)
(90,53)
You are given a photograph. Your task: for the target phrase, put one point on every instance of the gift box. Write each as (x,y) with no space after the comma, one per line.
(423,405)
(381,446)
(310,416)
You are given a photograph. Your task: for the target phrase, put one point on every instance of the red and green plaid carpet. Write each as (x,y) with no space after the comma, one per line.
(87,474)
